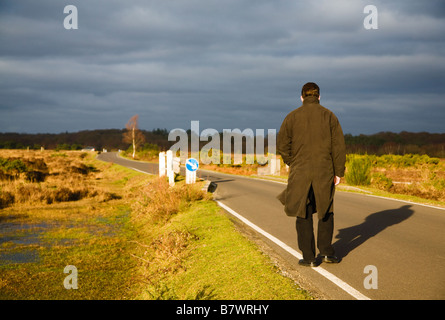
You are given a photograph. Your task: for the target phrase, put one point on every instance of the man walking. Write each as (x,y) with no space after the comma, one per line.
(312,144)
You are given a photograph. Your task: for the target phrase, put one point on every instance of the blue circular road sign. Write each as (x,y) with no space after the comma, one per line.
(192,164)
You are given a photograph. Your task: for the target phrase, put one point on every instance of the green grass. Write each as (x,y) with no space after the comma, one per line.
(95,250)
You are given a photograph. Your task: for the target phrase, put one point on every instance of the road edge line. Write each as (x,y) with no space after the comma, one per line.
(337,281)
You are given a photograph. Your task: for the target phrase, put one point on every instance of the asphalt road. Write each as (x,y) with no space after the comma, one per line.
(403,243)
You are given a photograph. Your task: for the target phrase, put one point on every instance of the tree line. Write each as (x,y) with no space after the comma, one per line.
(110,139)
(432,144)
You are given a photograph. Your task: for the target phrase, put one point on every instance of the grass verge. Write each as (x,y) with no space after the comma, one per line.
(220,263)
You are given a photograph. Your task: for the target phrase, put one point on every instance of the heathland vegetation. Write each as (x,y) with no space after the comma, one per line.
(410,174)
(129,235)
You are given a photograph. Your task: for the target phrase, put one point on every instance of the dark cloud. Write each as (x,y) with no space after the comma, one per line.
(228,64)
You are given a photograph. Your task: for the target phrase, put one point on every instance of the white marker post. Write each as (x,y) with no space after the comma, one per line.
(275,166)
(162,164)
(170,173)
(191,166)
(177,165)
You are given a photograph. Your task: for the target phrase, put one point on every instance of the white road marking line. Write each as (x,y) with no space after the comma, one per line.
(139,170)
(117,156)
(340,283)
(405,201)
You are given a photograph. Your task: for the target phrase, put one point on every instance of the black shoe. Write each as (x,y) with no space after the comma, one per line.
(331,259)
(305,263)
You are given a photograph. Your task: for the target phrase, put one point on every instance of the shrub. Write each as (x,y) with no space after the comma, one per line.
(399,161)
(358,171)
(381,181)
(65,194)
(12,166)
(6,199)
(35,176)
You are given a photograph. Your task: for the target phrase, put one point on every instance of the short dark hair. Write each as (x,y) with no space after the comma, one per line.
(310,89)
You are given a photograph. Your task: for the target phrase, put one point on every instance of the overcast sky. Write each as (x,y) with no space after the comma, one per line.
(226,63)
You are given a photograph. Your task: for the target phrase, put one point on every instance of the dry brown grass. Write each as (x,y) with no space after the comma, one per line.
(426,181)
(50,177)
(155,201)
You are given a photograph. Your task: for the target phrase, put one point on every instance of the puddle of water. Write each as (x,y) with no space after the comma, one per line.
(28,233)
(26,256)
(20,234)
(21,240)
(17,235)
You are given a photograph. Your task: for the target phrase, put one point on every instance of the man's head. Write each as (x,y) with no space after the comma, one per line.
(310,89)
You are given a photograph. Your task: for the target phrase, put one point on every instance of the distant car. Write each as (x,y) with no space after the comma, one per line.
(89,149)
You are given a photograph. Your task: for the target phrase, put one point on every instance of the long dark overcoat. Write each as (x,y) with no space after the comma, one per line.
(311,142)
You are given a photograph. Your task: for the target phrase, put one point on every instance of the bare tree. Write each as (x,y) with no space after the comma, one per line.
(133,134)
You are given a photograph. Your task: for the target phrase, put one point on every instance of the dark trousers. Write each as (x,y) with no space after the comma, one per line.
(305,231)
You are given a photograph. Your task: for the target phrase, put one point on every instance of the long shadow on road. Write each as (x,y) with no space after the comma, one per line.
(352,237)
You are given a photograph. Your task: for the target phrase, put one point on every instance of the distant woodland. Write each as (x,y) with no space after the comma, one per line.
(432,144)
(110,139)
